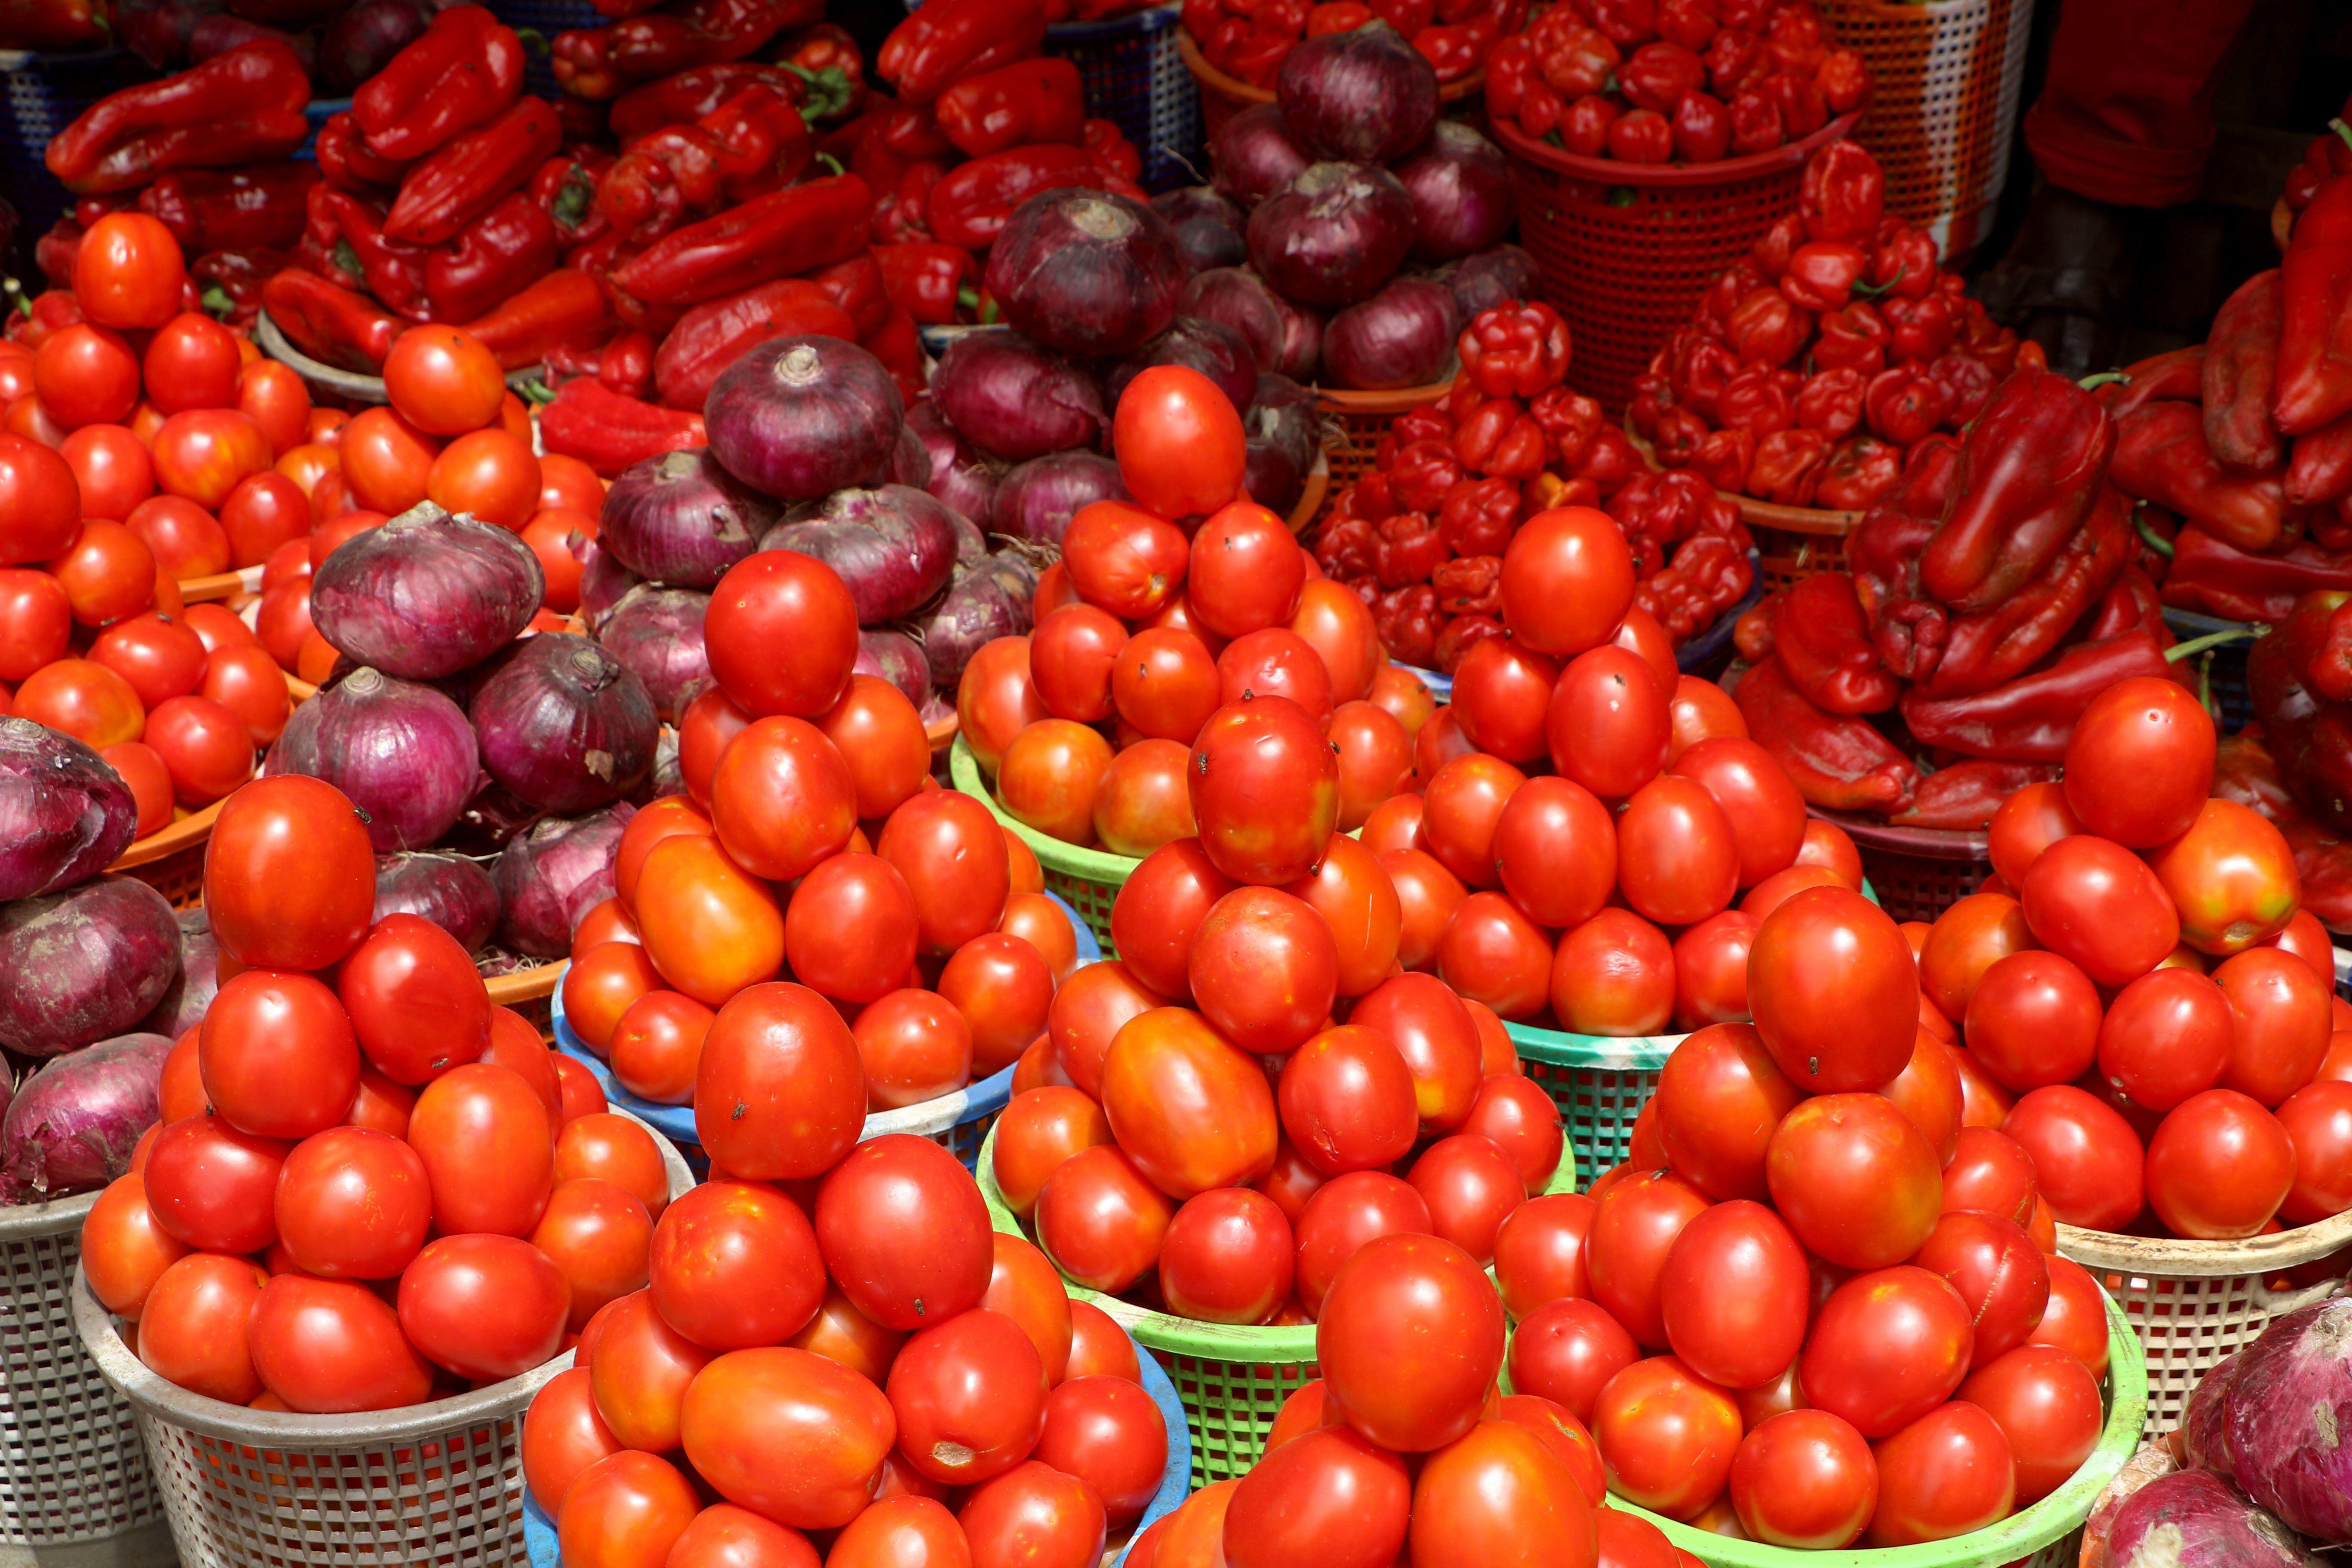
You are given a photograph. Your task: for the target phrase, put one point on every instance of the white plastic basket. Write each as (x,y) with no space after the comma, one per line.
(430,1485)
(74,1483)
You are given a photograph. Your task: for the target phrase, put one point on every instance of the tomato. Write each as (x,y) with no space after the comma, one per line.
(1087,1014)
(2232,877)
(1949,1473)
(1024,1286)
(901,1532)
(640,1370)
(161,659)
(204,455)
(1180,448)
(1436,744)
(2279,1039)
(191,363)
(128,271)
(1633,1232)
(2165,1037)
(605,981)
(2076,1318)
(124,1250)
(328,1347)
(1111,1435)
(1491,953)
(1434,1032)
(1071,655)
(353,1202)
(704,729)
(213,1186)
(1855,1179)
(2047,1405)
(1929,1094)
(561,1437)
(111,470)
(1188,1106)
(1666,1435)
(484,1307)
(1608,724)
(625,1510)
(779,1092)
(725,1536)
(204,745)
(1343,1214)
(35,621)
(735,1264)
(1099,1220)
(1991,1171)
(273,396)
(850,930)
(487,473)
(656,1044)
(903,1232)
(1539,1252)
(26,419)
(997,699)
(880,737)
(1427,894)
(2317,1120)
(1360,908)
(246,680)
(2218,1166)
(1766,813)
(1804,1478)
(1502,693)
(1246,571)
(1005,992)
(1568,580)
(1264,789)
(1042,923)
(1049,777)
(2139,764)
(1410,1338)
(710,927)
(1471,1187)
(2033,1020)
(1123,559)
(1037,1131)
(1835,991)
(84,374)
(1337,625)
(108,573)
(2000,1273)
(1710,968)
(955,861)
(550,534)
(1034,1517)
(969,1397)
(2098,904)
(783,799)
(1375,759)
(416,1000)
(1720,1097)
(191,1330)
(289,877)
(1163,682)
(1264,970)
(1701,711)
(782,634)
(1886,1347)
(1567,1350)
(2086,1158)
(1519,1118)
(1678,858)
(914,1045)
(443,381)
(1500,1494)
(1275,662)
(1331,1497)
(1614,974)
(1140,799)
(40,503)
(597,1232)
(1461,814)
(1733,1293)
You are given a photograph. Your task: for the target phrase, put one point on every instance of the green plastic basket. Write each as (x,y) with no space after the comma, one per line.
(1233,1378)
(1089,880)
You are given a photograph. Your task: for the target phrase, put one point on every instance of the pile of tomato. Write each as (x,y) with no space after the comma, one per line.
(369,1187)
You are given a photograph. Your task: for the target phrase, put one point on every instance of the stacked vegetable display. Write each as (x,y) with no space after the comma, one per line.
(1254,42)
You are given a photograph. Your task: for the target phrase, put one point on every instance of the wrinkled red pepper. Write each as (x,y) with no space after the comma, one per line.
(948,41)
(2031,717)
(710,337)
(1026,102)
(1838,762)
(1986,648)
(612,433)
(471,171)
(1824,647)
(464,71)
(493,258)
(2214,578)
(791,231)
(687,96)
(264,206)
(2240,374)
(2315,358)
(1964,797)
(2160,455)
(1860,470)
(2029,469)
(243,107)
(523,328)
(335,326)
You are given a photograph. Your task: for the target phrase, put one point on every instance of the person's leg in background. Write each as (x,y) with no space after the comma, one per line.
(2122,129)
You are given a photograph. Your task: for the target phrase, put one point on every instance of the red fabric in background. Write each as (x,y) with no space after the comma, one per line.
(2126,114)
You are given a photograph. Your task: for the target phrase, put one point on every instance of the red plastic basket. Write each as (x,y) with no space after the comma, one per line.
(1364,418)
(1919,872)
(1624,250)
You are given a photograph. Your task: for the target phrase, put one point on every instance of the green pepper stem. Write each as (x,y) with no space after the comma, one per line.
(2342,131)
(2195,646)
(2092,383)
(2149,537)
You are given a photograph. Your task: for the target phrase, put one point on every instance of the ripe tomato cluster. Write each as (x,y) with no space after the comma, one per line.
(369,1186)
(2137,996)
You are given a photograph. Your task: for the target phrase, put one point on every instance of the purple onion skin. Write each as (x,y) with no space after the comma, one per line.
(2203,1437)
(1255,154)
(426,595)
(682,520)
(362,40)
(403,752)
(1364,97)
(603,582)
(801,417)
(452,892)
(959,479)
(2195,1520)
(1302,343)
(2285,1417)
(83,964)
(1016,399)
(1460,185)
(1208,226)
(972,544)
(1334,236)
(1495,276)
(65,815)
(191,990)
(657,633)
(550,878)
(1085,272)
(1283,412)
(984,603)
(893,547)
(910,461)
(1213,348)
(1401,336)
(898,659)
(1239,300)
(1038,497)
(72,1125)
(565,725)
(1271,478)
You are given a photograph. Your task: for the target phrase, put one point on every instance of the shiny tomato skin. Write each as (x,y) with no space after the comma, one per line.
(1555,847)
(1493,953)
(2165,1037)
(2139,764)
(725,1536)
(1246,571)
(904,1232)
(353,1202)
(1568,580)
(2034,1021)
(1228,1258)
(289,876)
(1180,447)
(783,799)
(1667,1436)
(2047,1404)
(1023,1285)
(1264,970)
(2232,877)
(161,659)
(1857,1182)
(1498,1494)
(969,1395)
(2218,1166)
(1502,693)
(561,1437)
(733,1265)
(1071,656)
(1189,1108)
(626,1511)
(779,1092)
(1471,1187)
(123,1250)
(416,1000)
(1037,1131)
(1734,1294)
(1539,1252)
(192,1328)
(2318,1119)
(1275,662)
(1567,1350)
(850,929)
(1123,558)
(2100,905)
(1375,760)
(1049,777)
(1804,1478)
(2000,1275)
(1835,991)
(1634,1232)
(328,1347)
(2076,1318)
(1331,1497)
(1887,1347)
(213,1187)
(1614,974)
(1720,1097)
(1947,1474)
(1607,725)
(1766,813)
(1158,911)
(483,1134)
(1361,909)
(1435,1033)
(277,1054)
(1163,681)
(1462,808)
(1100,1221)
(484,1307)
(1140,802)
(2278,1040)
(781,633)
(2088,1160)
(1338,626)
(598,1233)
(1929,1093)
(1033,1516)
(1109,1433)
(1409,1339)
(953,857)
(1523,1121)
(1265,790)
(997,698)
(1344,1214)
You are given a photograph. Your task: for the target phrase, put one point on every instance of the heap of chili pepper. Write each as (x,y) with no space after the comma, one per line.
(1250,38)
(1672,81)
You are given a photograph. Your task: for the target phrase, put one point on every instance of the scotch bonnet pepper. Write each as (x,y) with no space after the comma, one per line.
(1516,351)
(243,107)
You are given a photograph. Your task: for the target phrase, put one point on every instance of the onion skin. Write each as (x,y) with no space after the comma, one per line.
(65,815)
(1302,341)
(682,520)
(451,891)
(2194,1520)
(1335,236)
(657,633)
(1239,300)
(1495,276)
(403,752)
(1085,272)
(1207,224)
(1364,97)
(1401,336)
(84,964)
(1460,183)
(564,724)
(603,582)
(362,40)
(898,659)
(550,878)
(1014,399)
(191,990)
(1283,412)
(960,479)
(801,417)
(2284,1419)
(984,603)
(425,595)
(1271,476)
(893,547)
(72,1126)
(1255,154)
(1038,497)
(1213,348)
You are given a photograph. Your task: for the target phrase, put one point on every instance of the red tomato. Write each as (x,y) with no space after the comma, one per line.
(997,699)
(1967,939)
(1804,1478)
(289,877)
(1666,1435)
(1140,799)
(204,746)
(2139,765)
(108,572)
(247,681)
(416,1000)
(1857,1182)
(1100,1221)
(1608,725)
(1633,1232)
(850,930)
(779,1091)
(1037,1131)
(840,1332)
(2000,1273)
(1123,559)
(725,1536)
(2165,1037)
(2280,1036)
(484,1307)
(1502,693)
(1024,1286)
(640,1370)
(1331,1497)
(969,1397)
(1033,1516)
(626,1511)
(561,1437)
(111,468)
(2218,1166)
(1163,682)
(1427,894)
(1710,965)
(1567,1350)
(879,735)
(35,621)
(327,1347)
(904,1232)
(1886,1347)
(1409,1339)
(483,1133)
(353,1202)
(1375,759)
(1471,1187)
(1188,1106)
(1246,572)
(1539,1252)
(1733,1295)
(1614,974)
(953,857)
(1517,1114)
(657,1045)
(40,502)
(1949,1473)
(1087,1014)
(2318,1119)
(1991,1172)
(735,1264)
(781,632)
(598,1233)
(489,473)
(124,1250)
(191,363)
(2088,1160)
(1835,991)
(2098,904)
(1720,1097)
(1109,1433)
(1929,1092)
(2033,1020)
(1343,1214)
(1568,580)
(1360,906)
(161,659)
(1005,990)
(901,1531)
(783,799)
(1493,953)
(213,1186)
(914,1045)
(1462,814)
(2076,1318)
(191,1330)
(1265,790)
(1434,1032)
(1702,711)
(1227,1258)
(2232,877)
(273,396)
(1180,448)
(204,454)
(84,374)
(1071,656)
(1555,846)
(128,271)
(1049,777)
(443,380)
(2047,1404)
(1499,1494)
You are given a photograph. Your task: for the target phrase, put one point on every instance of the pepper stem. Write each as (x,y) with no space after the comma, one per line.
(1868,292)
(2341,129)
(536,391)
(2195,646)
(2092,383)
(2148,536)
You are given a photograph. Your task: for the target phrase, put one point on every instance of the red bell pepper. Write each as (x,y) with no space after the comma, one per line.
(710,337)
(948,41)
(243,107)
(1984,650)
(1787,467)
(602,62)
(462,72)
(2180,374)
(331,325)
(2161,456)
(687,96)
(791,231)
(233,209)
(2031,717)
(1656,75)
(828,59)
(2315,358)
(972,201)
(753,143)
(522,329)
(493,258)
(1515,350)
(1964,795)
(394,269)
(2213,577)
(2240,374)
(855,284)
(2030,469)
(612,433)
(1831,402)
(926,279)
(471,171)
(1835,761)
(52,26)
(1766,329)
(1824,646)
(345,163)
(1024,103)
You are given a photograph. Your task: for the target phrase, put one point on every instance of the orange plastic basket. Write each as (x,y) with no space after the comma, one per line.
(1364,418)
(1223,96)
(1624,250)
(1945,77)
(1793,543)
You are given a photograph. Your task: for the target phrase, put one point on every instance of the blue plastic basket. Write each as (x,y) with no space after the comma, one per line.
(1135,79)
(46,94)
(958,1121)
(2224,667)
(547,18)
(1175,1480)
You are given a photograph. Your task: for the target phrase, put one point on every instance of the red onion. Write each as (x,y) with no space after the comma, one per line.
(603,581)
(1302,343)
(72,1126)
(362,41)
(896,659)
(564,724)
(1213,348)
(958,477)
(452,891)
(2194,1520)
(1272,477)
(1283,412)
(1240,300)
(426,595)
(65,815)
(984,603)
(681,519)
(1460,185)
(1255,154)
(1335,236)
(550,877)
(801,417)
(658,632)
(403,751)
(910,461)
(1207,224)
(1401,336)
(1363,97)
(1085,272)
(83,964)
(1038,497)
(2283,1416)
(1014,398)
(893,547)
(191,991)
(1495,276)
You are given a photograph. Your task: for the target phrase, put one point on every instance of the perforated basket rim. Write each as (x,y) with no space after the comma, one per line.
(1672,176)
(154,1396)
(30,1222)
(2163,1257)
(1926,843)
(1396,400)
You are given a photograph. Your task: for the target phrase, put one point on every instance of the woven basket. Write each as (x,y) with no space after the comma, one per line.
(1364,418)
(438,1484)
(1223,96)
(1946,79)
(1795,542)
(1133,72)
(1086,881)
(1624,250)
(45,93)
(1599,1082)
(2191,1303)
(1919,872)
(78,1488)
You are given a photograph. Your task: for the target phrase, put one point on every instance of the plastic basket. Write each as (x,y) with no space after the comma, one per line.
(1599,1082)
(1223,96)
(957,1122)
(2048,1535)
(1364,418)
(1946,79)
(1086,880)
(431,1484)
(1917,873)
(1232,1378)
(46,94)
(1795,542)
(75,1488)
(1175,1480)
(2191,1303)
(547,18)
(2224,668)
(1134,77)
(1624,250)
